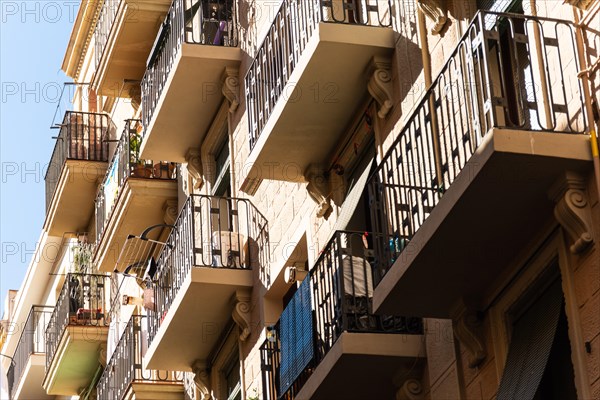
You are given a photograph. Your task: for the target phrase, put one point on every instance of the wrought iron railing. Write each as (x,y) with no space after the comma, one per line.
(126,163)
(83,301)
(210,232)
(104,25)
(209,23)
(508,71)
(282,48)
(125,365)
(189,386)
(32,341)
(340,290)
(82,136)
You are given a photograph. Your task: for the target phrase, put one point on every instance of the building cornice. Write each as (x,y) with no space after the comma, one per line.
(81,36)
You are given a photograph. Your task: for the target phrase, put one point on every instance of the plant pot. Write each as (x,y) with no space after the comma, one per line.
(164,170)
(141,171)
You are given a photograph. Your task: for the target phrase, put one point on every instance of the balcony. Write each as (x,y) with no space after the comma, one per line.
(125,378)
(132,196)
(182,87)
(124,36)
(76,334)
(206,267)
(303,69)
(27,372)
(79,159)
(465,186)
(328,333)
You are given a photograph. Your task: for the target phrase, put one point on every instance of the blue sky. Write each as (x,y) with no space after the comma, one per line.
(33,39)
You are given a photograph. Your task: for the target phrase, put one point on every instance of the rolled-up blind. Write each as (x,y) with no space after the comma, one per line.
(531,342)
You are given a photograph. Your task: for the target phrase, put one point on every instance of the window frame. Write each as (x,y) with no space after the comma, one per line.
(519,290)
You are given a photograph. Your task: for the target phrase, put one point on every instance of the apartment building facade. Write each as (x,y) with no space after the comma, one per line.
(319,199)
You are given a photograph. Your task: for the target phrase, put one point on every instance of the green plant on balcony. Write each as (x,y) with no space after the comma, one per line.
(82,257)
(253,396)
(137,165)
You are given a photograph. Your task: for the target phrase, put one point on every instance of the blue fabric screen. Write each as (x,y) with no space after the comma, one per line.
(296,336)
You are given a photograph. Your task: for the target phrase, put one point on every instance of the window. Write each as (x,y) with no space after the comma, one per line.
(232,380)
(538,364)
(558,381)
(222,182)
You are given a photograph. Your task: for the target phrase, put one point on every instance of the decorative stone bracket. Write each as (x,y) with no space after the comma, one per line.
(318,188)
(170,210)
(434,10)
(380,85)
(241,313)
(231,87)
(582,4)
(202,379)
(194,165)
(468,331)
(572,210)
(412,389)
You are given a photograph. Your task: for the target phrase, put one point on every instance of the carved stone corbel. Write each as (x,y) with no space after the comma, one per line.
(572,210)
(412,389)
(170,212)
(380,85)
(434,10)
(209,165)
(318,188)
(241,313)
(202,379)
(102,356)
(582,4)
(231,87)
(194,165)
(338,188)
(468,330)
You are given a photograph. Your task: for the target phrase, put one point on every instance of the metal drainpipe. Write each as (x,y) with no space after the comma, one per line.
(426,60)
(585,81)
(425,57)
(537,39)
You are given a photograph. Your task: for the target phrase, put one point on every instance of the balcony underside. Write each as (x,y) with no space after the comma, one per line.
(76,360)
(129,43)
(73,200)
(188,102)
(154,391)
(30,384)
(321,97)
(199,314)
(365,366)
(497,205)
(140,204)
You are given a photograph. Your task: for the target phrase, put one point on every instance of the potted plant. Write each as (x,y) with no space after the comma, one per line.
(164,170)
(82,257)
(138,166)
